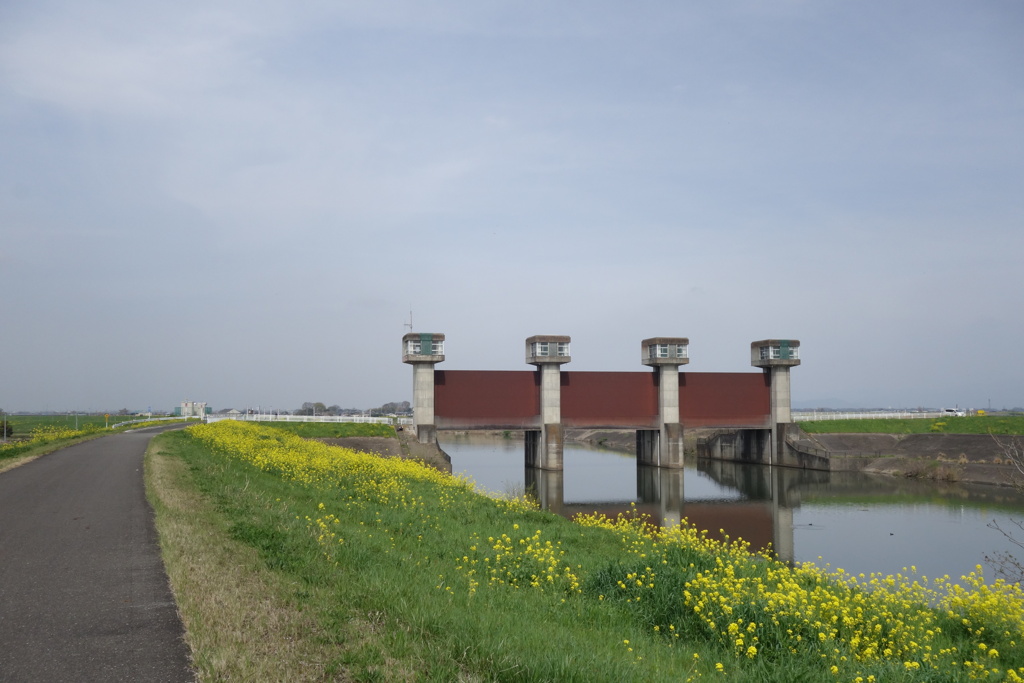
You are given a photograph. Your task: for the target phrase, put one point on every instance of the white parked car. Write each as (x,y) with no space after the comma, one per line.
(955,412)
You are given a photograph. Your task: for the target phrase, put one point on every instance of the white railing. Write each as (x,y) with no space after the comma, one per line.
(870,415)
(271,417)
(152,419)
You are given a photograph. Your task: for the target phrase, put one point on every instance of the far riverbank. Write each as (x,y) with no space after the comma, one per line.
(969,458)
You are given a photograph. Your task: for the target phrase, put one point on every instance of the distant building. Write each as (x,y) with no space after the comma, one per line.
(191,409)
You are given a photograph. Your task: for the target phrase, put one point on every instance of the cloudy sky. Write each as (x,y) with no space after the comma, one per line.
(241,202)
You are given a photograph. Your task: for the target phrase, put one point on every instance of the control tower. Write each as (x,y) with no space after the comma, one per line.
(423,350)
(776,357)
(548,352)
(664,447)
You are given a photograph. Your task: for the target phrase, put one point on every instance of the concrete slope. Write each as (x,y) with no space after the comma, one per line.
(971,447)
(83,592)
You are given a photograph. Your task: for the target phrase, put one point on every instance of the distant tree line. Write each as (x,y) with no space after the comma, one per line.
(318,408)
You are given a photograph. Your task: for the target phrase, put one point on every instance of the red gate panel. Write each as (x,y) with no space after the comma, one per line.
(486,399)
(609,399)
(724,399)
(502,399)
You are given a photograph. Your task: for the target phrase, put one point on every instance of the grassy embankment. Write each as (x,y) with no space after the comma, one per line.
(35,435)
(988,424)
(292,560)
(332,430)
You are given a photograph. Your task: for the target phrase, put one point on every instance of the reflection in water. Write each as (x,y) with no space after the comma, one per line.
(858,522)
(659,496)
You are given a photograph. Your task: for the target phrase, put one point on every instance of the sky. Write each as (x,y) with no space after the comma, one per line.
(247,203)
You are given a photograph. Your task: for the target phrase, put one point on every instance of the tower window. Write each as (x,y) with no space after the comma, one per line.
(666,351)
(782,352)
(415,347)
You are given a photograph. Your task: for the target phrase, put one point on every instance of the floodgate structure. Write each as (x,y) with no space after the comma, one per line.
(750,410)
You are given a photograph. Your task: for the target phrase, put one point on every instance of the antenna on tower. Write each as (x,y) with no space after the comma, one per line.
(409,324)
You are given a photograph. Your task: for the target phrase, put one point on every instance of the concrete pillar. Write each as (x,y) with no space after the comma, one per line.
(423,402)
(665,355)
(547,487)
(647,446)
(782,533)
(776,357)
(781,399)
(548,353)
(423,350)
(664,486)
(531,446)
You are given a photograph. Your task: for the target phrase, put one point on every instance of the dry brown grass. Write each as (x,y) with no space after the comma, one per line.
(240,622)
(42,449)
(11,463)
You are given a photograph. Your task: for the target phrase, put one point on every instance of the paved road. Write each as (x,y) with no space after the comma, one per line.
(83,592)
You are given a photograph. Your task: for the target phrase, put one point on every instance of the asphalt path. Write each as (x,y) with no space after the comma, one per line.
(83,591)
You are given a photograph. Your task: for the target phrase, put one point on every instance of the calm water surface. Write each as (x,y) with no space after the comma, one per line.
(858,522)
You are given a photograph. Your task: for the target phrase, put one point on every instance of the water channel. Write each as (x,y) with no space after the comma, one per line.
(854,521)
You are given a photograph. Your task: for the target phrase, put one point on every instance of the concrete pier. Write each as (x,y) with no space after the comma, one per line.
(776,357)
(664,447)
(544,447)
(423,350)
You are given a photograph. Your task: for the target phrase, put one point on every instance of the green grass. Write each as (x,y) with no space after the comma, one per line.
(16,451)
(332,430)
(1001,425)
(393,587)
(35,435)
(24,425)
(368,575)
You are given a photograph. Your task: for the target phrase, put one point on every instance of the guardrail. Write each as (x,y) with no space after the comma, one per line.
(802,447)
(271,417)
(807,450)
(870,415)
(150,419)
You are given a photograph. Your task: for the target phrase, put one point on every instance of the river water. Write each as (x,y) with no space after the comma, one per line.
(858,522)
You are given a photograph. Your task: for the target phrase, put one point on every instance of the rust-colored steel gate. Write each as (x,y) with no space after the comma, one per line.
(488,399)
